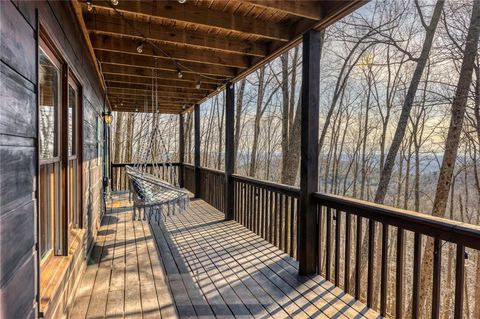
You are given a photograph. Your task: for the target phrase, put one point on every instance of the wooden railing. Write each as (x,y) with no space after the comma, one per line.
(212,187)
(357,235)
(167,172)
(268,209)
(371,251)
(189,175)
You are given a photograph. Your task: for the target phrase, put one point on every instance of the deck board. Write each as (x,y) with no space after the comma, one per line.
(196,265)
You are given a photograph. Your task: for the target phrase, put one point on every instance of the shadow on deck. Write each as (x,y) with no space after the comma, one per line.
(198,265)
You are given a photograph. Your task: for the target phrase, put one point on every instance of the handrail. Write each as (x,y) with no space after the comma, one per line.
(145,164)
(445,229)
(285,189)
(212,170)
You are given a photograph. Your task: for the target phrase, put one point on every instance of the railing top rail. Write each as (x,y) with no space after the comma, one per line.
(445,229)
(282,188)
(145,164)
(188,165)
(212,170)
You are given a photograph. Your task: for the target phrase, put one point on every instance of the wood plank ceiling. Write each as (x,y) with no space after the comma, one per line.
(210,42)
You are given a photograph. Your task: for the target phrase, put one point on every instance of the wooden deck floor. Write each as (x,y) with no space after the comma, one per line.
(197,265)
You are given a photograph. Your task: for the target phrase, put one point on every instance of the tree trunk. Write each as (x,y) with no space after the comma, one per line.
(256,126)
(407,105)
(453,138)
(238,119)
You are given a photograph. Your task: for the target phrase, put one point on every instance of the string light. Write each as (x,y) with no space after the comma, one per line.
(115,2)
(197,86)
(89,5)
(182,1)
(180,75)
(140,47)
(177,64)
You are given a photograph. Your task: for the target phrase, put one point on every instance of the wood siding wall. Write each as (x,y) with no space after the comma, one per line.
(18,133)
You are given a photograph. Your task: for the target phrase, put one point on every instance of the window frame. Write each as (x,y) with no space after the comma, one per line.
(64,231)
(55,233)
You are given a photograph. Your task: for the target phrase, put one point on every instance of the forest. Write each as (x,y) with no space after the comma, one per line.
(399,122)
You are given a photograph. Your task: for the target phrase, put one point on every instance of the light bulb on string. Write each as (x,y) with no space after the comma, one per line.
(197,86)
(180,75)
(140,47)
(182,1)
(89,5)
(115,2)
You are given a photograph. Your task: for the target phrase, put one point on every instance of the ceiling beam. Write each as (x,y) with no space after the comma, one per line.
(310,9)
(166,93)
(129,85)
(140,100)
(163,110)
(165,75)
(112,43)
(114,25)
(159,82)
(164,64)
(201,16)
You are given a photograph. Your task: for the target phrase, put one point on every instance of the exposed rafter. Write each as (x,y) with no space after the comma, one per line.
(306,9)
(125,45)
(202,16)
(118,58)
(155,32)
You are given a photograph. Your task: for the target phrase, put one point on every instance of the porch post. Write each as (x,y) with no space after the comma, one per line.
(181,150)
(197,150)
(308,228)
(229,150)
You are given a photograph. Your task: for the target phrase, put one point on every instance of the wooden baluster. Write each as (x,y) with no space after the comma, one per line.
(285,224)
(320,210)
(272,218)
(437,274)
(459,281)
(417,247)
(384,274)
(399,274)
(338,226)
(280,224)
(348,238)
(328,243)
(371,262)
(292,225)
(358,258)
(277,216)
(258,216)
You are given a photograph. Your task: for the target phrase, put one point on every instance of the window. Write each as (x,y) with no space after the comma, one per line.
(49,109)
(73,181)
(59,180)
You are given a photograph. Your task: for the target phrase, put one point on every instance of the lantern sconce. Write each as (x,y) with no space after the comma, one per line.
(107,117)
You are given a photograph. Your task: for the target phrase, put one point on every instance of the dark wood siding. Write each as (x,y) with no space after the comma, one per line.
(18,133)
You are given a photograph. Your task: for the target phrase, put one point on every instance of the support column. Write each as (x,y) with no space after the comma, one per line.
(308,224)
(196,121)
(229,150)
(181,150)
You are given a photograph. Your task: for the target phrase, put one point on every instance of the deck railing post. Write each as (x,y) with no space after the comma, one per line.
(307,232)
(229,151)
(181,150)
(197,150)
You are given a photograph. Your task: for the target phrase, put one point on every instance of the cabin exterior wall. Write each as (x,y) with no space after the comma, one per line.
(19,273)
